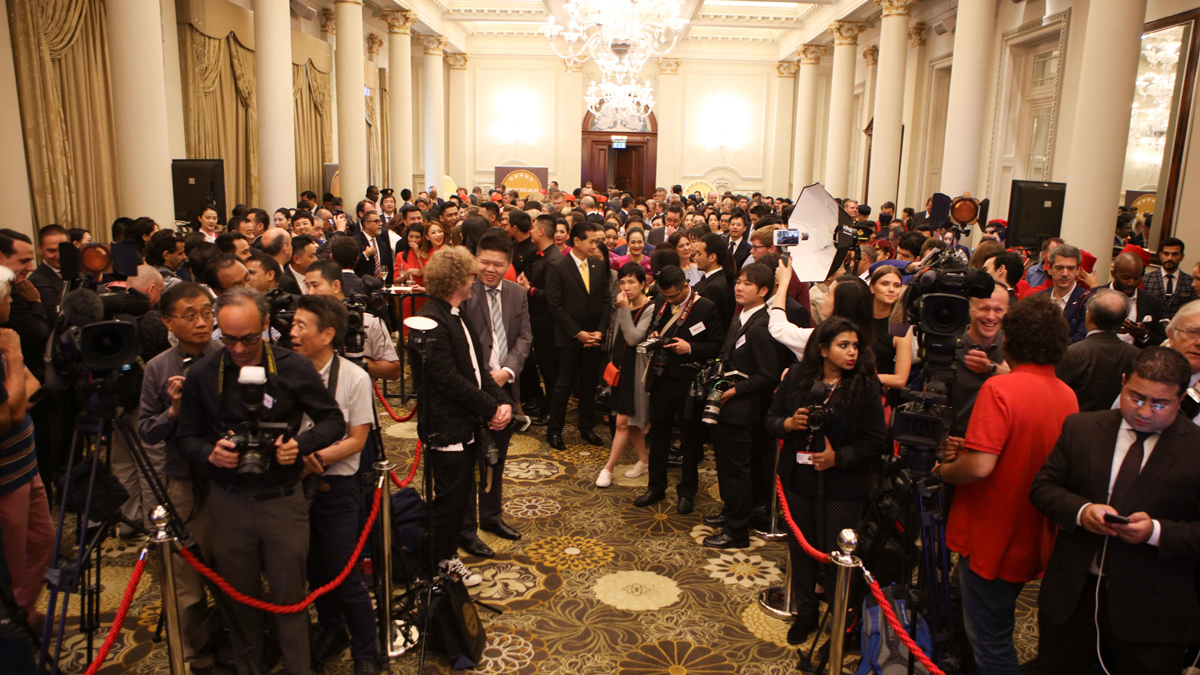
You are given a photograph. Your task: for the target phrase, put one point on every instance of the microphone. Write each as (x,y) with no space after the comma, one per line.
(81,307)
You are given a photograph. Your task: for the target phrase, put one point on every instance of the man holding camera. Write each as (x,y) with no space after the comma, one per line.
(263,516)
(324,277)
(691,331)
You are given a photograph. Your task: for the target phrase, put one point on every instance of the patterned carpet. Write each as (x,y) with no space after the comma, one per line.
(596,586)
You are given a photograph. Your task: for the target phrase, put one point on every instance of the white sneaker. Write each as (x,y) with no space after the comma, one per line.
(605,478)
(456,568)
(637,470)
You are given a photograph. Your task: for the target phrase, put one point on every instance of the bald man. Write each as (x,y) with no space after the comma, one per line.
(277,243)
(1093,367)
(1143,327)
(148,282)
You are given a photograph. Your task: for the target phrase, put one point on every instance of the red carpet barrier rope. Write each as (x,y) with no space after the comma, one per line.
(401,484)
(120,620)
(875,590)
(388,408)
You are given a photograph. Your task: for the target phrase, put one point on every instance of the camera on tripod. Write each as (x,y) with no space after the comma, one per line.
(938,303)
(719,381)
(254,438)
(282,312)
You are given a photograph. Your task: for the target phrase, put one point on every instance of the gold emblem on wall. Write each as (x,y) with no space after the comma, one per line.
(524,182)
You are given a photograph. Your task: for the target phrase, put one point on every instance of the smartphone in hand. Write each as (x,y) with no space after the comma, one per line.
(1115,519)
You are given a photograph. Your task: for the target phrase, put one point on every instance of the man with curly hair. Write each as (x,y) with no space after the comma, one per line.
(1003,541)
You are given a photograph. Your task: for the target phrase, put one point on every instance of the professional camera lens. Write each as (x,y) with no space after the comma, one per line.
(817,417)
(108,344)
(944,313)
(712,406)
(253,462)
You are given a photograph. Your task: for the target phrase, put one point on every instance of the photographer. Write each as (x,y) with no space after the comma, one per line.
(835,447)
(324,277)
(462,400)
(264,520)
(187,313)
(317,332)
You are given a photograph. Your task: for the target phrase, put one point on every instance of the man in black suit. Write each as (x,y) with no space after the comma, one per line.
(1093,367)
(694,332)
(749,350)
(498,313)
(922,217)
(1144,326)
(739,244)
(347,253)
(1169,284)
(577,290)
(27,316)
(376,257)
(1138,462)
(545,354)
(1066,293)
(710,255)
(277,243)
(47,278)
(672,219)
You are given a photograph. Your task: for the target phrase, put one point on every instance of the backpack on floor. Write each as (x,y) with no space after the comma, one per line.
(882,651)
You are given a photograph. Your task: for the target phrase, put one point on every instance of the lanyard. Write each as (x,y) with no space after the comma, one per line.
(221,369)
(681,317)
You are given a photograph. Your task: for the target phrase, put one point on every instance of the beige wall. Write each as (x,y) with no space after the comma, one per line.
(13,171)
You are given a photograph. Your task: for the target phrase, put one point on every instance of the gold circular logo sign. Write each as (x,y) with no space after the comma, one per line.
(1145,203)
(701,186)
(524,182)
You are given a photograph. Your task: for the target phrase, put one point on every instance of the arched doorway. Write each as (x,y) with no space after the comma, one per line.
(631,168)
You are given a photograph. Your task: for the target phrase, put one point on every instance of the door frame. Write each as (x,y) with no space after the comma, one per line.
(596,145)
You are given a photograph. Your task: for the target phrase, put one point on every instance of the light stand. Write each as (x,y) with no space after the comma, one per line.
(418,326)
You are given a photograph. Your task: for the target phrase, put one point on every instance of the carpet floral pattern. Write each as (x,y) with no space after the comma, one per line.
(595,587)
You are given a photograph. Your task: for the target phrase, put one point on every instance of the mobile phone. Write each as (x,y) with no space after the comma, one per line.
(788,237)
(1114,518)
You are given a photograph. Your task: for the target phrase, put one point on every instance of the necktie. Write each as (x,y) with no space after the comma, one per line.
(732,247)
(583,271)
(379,271)
(1127,476)
(1170,284)
(499,335)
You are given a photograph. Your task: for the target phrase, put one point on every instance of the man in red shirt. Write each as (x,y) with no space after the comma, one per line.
(1002,539)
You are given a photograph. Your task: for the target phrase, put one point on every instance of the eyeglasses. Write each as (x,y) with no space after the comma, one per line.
(1139,402)
(247,340)
(1192,334)
(191,317)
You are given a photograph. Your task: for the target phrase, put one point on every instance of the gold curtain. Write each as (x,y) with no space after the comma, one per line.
(372,103)
(220,111)
(314,127)
(385,130)
(60,49)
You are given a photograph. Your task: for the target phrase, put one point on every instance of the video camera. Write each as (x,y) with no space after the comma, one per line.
(90,349)
(358,305)
(282,312)
(255,439)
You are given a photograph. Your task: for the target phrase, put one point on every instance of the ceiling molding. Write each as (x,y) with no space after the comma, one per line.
(738,20)
(510,15)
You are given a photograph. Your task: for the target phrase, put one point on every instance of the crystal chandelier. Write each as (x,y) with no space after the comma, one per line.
(619,35)
(627,103)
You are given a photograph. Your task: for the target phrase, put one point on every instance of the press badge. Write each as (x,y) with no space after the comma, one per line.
(268,402)
(741,341)
(804,458)
(695,330)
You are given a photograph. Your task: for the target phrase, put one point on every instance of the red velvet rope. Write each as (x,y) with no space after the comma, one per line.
(121,612)
(875,590)
(412,471)
(303,604)
(388,408)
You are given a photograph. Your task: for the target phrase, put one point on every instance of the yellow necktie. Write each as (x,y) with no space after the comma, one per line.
(583,270)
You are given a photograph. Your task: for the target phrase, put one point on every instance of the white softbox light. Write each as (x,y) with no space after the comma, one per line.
(816,217)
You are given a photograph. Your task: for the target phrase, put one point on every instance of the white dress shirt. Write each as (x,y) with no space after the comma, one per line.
(1061,303)
(745,315)
(1133,316)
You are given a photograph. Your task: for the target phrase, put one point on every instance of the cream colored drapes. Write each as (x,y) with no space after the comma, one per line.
(314,125)
(60,49)
(385,130)
(373,172)
(220,111)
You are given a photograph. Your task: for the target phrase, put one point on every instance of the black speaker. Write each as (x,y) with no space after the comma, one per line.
(1035,212)
(456,629)
(196,183)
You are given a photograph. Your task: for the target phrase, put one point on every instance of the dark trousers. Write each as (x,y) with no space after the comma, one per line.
(576,364)
(544,352)
(531,386)
(731,444)
(256,538)
(667,398)
(1070,648)
(333,531)
(452,476)
(764,451)
(806,572)
(488,501)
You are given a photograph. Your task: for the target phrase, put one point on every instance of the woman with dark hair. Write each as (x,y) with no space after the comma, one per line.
(79,236)
(834,460)
(206,223)
(893,355)
(282,219)
(636,238)
(408,264)
(630,401)
(663,256)
(470,230)
(849,297)
(435,239)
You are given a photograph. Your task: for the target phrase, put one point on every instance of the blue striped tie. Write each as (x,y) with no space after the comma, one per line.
(499,336)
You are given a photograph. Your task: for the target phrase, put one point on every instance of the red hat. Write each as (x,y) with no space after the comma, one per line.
(1138,251)
(496,197)
(1088,262)
(570,198)
(602,199)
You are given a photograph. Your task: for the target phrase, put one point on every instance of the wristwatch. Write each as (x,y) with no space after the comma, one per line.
(991,368)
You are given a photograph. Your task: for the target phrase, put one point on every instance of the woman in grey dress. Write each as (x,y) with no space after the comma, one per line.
(630,401)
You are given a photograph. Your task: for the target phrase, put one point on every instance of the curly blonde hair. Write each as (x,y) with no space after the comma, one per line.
(448,270)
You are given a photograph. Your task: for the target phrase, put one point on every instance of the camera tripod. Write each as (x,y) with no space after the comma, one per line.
(91,443)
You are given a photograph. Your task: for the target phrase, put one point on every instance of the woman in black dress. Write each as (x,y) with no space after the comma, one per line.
(630,402)
(893,355)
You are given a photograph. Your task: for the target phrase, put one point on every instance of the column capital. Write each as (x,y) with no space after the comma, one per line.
(457,61)
(399,21)
(668,66)
(846,32)
(916,35)
(787,69)
(871,56)
(810,55)
(374,44)
(895,7)
(573,65)
(433,44)
(328,25)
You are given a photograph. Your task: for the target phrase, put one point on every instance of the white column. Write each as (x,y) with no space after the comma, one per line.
(889,117)
(433,98)
(781,144)
(400,105)
(668,110)
(351,101)
(14,172)
(806,118)
(1111,51)
(174,79)
(968,91)
(569,171)
(276,120)
(841,106)
(858,179)
(457,161)
(914,99)
(139,94)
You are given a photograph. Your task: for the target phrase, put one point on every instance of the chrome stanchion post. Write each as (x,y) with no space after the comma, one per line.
(383,569)
(846,561)
(777,600)
(164,544)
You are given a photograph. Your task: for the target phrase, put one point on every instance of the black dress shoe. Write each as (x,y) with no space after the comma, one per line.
(684,506)
(715,521)
(649,498)
(330,644)
(590,437)
(675,460)
(502,530)
(533,409)
(802,627)
(725,540)
(366,666)
(554,440)
(476,547)
(541,421)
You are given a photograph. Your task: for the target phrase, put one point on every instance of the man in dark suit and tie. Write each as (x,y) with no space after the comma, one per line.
(47,278)
(749,350)
(921,217)
(498,314)
(1066,293)
(710,254)
(739,244)
(1135,580)
(1168,284)
(1144,326)
(376,258)
(533,280)
(577,290)
(672,219)
(1094,366)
